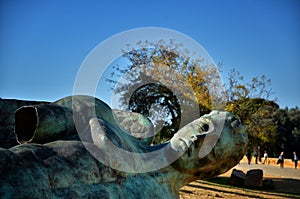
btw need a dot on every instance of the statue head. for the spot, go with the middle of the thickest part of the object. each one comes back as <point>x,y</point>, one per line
<point>210,145</point>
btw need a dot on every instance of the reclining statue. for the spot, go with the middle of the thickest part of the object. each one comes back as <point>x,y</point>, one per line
<point>86,153</point>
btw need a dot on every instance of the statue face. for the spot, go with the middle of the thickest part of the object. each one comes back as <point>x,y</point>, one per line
<point>217,139</point>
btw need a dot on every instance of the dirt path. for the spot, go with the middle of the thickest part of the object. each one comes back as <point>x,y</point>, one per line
<point>286,184</point>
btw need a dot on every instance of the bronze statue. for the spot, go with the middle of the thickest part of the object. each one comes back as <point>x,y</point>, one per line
<point>89,155</point>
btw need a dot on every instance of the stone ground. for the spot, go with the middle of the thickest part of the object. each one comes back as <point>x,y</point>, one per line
<point>286,184</point>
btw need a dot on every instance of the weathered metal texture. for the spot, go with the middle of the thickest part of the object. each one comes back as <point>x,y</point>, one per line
<point>136,125</point>
<point>7,119</point>
<point>66,169</point>
<point>42,122</point>
<point>86,107</point>
<point>54,121</point>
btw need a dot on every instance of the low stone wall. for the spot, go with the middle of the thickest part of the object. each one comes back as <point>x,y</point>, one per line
<point>287,162</point>
<point>271,161</point>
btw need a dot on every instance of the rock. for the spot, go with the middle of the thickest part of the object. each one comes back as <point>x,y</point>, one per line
<point>254,178</point>
<point>237,178</point>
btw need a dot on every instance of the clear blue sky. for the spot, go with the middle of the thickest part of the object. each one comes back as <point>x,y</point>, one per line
<point>43,43</point>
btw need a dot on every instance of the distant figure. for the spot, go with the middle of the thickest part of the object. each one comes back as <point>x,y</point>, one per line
<point>281,159</point>
<point>265,157</point>
<point>295,159</point>
<point>257,155</point>
<point>249,157</point>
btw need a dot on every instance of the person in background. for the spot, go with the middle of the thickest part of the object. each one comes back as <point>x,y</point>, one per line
<point>265,157</point>
<point>295,159</point>
<point>257,155</point>
<point>249,157</point>
<point>281,160</point>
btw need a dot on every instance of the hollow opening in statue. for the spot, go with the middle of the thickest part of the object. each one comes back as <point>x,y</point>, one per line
<point>26,121</point>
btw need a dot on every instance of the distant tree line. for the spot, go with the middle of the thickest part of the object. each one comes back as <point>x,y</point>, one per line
<point>270,128</point>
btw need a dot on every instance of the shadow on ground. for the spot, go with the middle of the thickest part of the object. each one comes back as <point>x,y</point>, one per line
<point>280,185</point>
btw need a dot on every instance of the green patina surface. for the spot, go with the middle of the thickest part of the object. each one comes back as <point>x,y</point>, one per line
<point>66,169</point>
